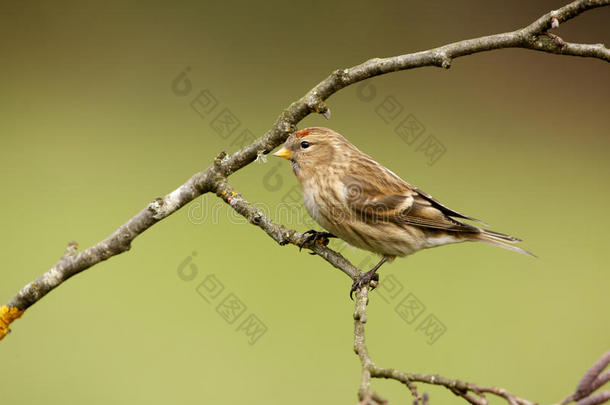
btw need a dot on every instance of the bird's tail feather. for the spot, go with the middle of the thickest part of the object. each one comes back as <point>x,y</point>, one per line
<point>500,239</point>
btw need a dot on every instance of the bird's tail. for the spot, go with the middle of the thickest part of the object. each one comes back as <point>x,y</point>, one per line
<point>502,240</point>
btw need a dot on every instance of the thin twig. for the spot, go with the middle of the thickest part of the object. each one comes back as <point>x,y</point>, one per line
<point>471,392</point>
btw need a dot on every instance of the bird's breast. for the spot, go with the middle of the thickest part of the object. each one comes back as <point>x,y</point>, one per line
<point>309,199</point>
<point>322,203</point>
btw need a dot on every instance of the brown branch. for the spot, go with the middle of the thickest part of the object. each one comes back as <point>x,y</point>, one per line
<point>592,379</point>
<point>279,233</point>
<point>214,179</point>
<point>472,393</point>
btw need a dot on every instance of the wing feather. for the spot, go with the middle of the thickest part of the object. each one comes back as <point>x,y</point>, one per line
<point>383,197</point>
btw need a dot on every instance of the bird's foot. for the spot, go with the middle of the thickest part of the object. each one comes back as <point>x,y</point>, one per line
<point>364,280</point>
<point>315,236</point>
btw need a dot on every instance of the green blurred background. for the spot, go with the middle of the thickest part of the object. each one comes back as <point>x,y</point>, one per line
<point>91,131</point>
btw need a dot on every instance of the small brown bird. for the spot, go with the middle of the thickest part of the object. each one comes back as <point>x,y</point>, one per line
<point>368,206</point>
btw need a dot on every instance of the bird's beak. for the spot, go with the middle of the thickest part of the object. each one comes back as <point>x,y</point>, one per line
<point>283,153</point>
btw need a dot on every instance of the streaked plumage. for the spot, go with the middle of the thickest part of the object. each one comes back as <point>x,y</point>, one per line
<point>355,198</point>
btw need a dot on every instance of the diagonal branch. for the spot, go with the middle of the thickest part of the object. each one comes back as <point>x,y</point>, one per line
<point>535,36</point>
<point>281,234</point>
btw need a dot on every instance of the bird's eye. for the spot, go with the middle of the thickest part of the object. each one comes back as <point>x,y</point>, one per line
<point>305,144</point>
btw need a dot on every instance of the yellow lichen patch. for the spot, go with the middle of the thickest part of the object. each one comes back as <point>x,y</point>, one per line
<point>8,315</point>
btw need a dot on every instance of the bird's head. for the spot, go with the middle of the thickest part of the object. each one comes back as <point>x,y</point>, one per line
<point>312,149</point>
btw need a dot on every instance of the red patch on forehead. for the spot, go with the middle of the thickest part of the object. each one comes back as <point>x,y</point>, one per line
<point>301,133</point>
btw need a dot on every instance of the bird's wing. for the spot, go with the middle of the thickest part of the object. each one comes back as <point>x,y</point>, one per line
<point>381,196</point>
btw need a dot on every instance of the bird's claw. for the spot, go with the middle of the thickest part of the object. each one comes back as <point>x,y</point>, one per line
<point>364,280</point>
<point>315,236</point>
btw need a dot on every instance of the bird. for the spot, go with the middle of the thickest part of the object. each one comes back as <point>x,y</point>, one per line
<point>367,205</point>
